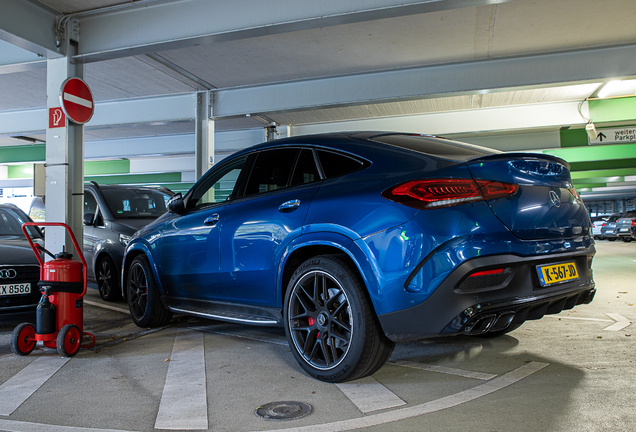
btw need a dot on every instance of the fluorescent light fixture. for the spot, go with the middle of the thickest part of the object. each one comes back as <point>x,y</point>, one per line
<point>618,88</point>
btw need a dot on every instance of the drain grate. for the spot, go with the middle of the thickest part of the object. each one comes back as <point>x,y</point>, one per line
<point>281,411</point>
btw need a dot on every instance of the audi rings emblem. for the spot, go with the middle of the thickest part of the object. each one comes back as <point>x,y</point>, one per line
<point>8,273</point>
<point>554,199</point>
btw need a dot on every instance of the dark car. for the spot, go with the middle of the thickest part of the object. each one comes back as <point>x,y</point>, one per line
<point>609,230</point>
<point>626,226</point>
<point>19,268</point>
<point>112,213</point>
<point>355,241</point>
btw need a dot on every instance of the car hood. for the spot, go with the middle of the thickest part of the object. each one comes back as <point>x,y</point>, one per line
<point>130,226</point>
<point>16,250</point>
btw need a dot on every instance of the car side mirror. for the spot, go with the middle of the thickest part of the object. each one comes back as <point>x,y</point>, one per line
<point>175,204</point>
<point>88,218</point>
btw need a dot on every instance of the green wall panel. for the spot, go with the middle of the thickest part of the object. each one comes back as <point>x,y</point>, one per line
<point>573,137</point>
<point>118,166</point>
<point>612,110</point>
<point>598,165</point>
<point>136,178</point>
<point>23,153</point>
<point>595,152</point>
<point>20,171</point>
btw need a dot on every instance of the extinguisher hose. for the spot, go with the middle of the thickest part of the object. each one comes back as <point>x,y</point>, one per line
<point>40,247</point>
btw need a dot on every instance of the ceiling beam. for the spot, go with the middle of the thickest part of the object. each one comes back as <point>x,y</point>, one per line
<point>483,76</point>
<point>146,27</point>
<point>30,26</point>
<point>118,112</point>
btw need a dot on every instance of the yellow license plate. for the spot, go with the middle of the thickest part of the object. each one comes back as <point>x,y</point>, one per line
<point>557,273</point>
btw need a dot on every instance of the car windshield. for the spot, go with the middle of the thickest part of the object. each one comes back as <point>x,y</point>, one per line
<point>11,224</point>
<point>136,203</point>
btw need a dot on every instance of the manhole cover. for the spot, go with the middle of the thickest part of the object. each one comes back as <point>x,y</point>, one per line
<point>283,410</point>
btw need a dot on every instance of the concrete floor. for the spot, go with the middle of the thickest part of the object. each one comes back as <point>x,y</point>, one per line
<point>568,372</point>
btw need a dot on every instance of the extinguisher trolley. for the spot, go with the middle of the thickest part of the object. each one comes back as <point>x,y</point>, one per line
<point>60,313</point>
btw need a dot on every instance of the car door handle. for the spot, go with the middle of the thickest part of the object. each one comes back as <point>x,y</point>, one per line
<point>289,206</point>
<point>211,220</point>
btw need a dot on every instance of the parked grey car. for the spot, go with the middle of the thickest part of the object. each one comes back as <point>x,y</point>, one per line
<point>112,214</point>
<point>609,230</point>
<point>626,226</point>
<point>597,225</point>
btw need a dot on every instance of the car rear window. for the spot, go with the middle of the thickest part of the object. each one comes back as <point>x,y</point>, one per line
<point>440,147</point>
<point>630,214</point>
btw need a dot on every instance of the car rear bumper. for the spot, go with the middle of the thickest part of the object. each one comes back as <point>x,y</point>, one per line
<point>492,303</point>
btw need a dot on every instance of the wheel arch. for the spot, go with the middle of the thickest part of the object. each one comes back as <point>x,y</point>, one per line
<point>336,245</point>
<point>132,251</point>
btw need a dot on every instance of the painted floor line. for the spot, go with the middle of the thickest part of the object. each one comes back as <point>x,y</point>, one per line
<point>184,402</point>
<point>444,370</point>
<point>576,318</point>
<point>17,389</point>
<point>19,426</point>
<point>369,395</point>
<point>620,324</point>
<point>254,338</point>
<point>428,407</point>
<point>103,306</point>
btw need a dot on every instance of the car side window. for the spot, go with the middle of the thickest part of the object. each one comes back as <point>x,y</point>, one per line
<point>91,207</point>
<point>218,186</point>
<point>90,203</point>
<point>335,165</point>
<point>271,171</point>
<point>305,170</point>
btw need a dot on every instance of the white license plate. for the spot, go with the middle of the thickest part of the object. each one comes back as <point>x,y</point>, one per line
<point>624,229</point>
<point>15,289</point>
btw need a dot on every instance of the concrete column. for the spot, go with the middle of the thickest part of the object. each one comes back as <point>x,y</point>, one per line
<point>64,150</point>
<point>204,135</point>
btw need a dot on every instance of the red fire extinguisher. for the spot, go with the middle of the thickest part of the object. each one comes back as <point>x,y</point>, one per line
<point>60,313</point>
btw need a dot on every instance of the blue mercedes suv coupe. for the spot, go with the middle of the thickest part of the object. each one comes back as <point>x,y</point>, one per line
<point>355,241</point>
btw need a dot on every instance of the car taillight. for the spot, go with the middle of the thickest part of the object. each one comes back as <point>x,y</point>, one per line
<point>634,222</point>
<point>575,194</point>
<point>429,194</point>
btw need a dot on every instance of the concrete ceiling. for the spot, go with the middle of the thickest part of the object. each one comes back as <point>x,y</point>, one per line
<point>387,39</point>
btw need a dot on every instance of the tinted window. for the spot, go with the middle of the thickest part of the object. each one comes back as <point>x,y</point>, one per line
<point>271,171</point>
<point>334,164</point>
<point>218,186</point>
<point>630,214</point>
<point>305,170</point>
<point>90,204</point>
<point>135,203</point>
<point>444,148</point>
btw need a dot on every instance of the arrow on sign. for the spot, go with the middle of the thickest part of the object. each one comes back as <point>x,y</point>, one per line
<point>621,322</point>
<point>601,136</point>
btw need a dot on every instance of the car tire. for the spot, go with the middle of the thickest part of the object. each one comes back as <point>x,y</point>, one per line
<point>611,238</point>
<point>107,279</point>
<point>143,297</point>
<point>626,239</point>
<point>330,323</point>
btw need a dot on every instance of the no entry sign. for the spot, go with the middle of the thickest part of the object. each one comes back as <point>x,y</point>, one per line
<point>77,100</point>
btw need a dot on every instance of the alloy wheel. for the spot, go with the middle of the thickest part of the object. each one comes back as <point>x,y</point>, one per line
<point>320,320</point>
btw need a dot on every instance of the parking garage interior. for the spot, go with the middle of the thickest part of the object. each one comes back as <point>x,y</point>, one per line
<point>177,86</point>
